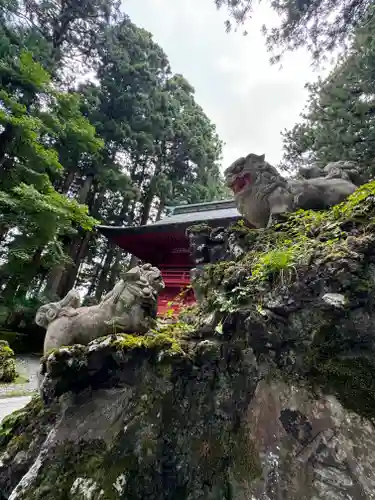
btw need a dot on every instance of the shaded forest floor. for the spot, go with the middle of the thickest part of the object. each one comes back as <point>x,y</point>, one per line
<point>26,383</point>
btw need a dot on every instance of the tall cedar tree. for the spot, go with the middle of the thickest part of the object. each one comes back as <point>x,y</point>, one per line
<point>319,25</point>
<point>339,122</point>
<point>120,149</point>
<point>152,126</point>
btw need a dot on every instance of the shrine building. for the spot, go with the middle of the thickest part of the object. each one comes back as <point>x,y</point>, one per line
<point>165,245</point>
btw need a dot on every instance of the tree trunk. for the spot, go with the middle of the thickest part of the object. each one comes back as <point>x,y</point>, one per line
<point>147,204</point>
<point>70,272</point>
<point>10,290</point>
<point>62,279</point>
<point>72,275</point>
<point>85,189</point>
<point>102,285</point>
<point>160,210</point>
<point>68,181</point>
<point>115,268</point>
<point>94,280</point>
<point>54,280</point>
<point>34,268</point>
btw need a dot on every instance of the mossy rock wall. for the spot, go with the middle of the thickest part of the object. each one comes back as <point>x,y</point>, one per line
<point>270,394</point>
<point>152,423</point>
<point>303,294</point>
<point>210,427</point>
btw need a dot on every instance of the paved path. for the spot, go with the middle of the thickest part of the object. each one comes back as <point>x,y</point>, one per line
<point>9,405</point>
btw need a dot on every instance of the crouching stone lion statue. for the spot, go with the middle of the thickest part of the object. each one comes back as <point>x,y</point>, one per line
<point>130,307</point>
<point>341,169</point>
<point>261,192</point>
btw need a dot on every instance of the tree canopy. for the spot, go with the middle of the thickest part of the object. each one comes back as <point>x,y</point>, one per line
<point>321,26</point>
<point>339,120</point>
<point>115,148</point>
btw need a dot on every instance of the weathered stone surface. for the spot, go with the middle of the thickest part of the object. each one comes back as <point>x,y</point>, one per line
<point>210,246</point>
<point>310,446</point>
<point>167,426</point>
<point>268,395</point>
<point>7,363</point>
<point>348,170</point>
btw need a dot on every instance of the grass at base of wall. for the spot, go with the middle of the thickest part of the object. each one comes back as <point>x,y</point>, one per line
<point>20,380</point>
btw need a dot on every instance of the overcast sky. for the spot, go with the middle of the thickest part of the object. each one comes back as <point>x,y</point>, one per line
<point>249,100</point>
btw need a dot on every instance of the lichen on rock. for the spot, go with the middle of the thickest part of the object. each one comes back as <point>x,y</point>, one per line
<point>263,390</point>
<point>161,412</point>
<point>283,285</point>
<point>8,372</point>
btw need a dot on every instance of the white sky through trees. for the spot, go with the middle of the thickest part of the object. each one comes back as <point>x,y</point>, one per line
<point>249,100</point>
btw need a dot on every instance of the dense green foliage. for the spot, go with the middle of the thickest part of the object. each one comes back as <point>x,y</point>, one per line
<point>7,363</point>
<point>116,146</point>
<point>321,26</point>
<point>339,122</point>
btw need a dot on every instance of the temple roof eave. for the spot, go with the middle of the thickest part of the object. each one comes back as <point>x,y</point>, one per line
<point>110,231</point>
<point>176,223</point>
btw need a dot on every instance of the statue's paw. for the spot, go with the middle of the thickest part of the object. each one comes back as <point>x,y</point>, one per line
<point>117,322</point>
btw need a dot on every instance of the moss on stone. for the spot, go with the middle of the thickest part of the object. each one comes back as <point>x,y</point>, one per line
<point>165,338</point>
<point>173,445</point>
<point>68,462</point>
<point>184,429</point>
<point>327,249</point>
<point>348,375</point>
<point>199,228</point>
<point>276,254</point>
<point>246,462</point>
<point>19,428</point>
<point>351,380</point>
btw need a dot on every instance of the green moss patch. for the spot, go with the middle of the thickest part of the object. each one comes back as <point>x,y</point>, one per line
<point>343,368</point>
<point>181,433</point>
<point>277,256</point>
<point>8,371</point>
<point>295,263</point>
<point>18,429</point>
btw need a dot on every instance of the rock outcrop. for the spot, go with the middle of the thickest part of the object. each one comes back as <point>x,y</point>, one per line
<point>274,399</point>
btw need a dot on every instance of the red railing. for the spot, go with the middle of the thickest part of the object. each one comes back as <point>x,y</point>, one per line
<point>176,277</point>
<point>176,280</point>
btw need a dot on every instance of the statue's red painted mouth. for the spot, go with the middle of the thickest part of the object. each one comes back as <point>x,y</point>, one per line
<point>240,183</point>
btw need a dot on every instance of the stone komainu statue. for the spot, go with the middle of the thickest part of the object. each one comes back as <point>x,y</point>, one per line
<point>261,192</point>
<point>342,169</point>
<point>130,307</point>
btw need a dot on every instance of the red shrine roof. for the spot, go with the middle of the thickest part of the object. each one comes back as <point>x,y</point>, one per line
<point>163,241</point>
